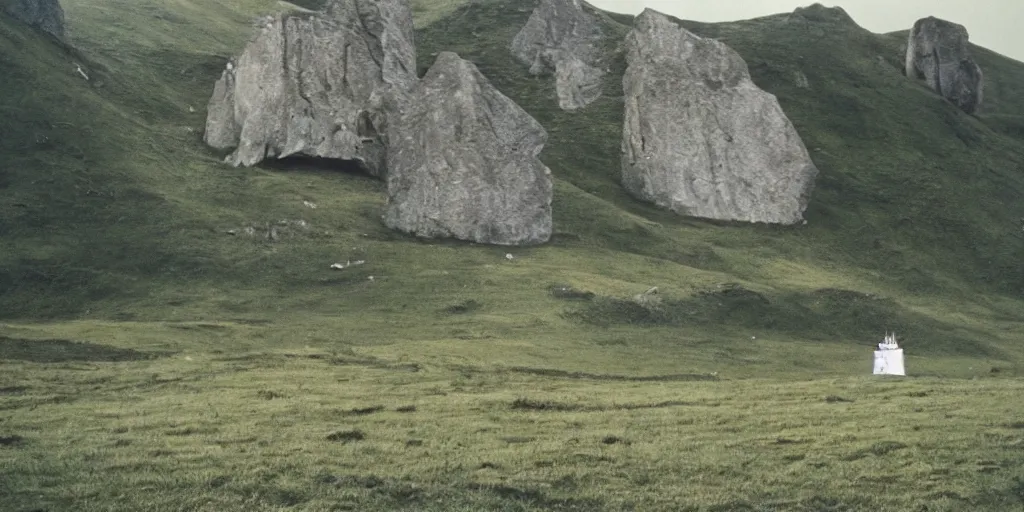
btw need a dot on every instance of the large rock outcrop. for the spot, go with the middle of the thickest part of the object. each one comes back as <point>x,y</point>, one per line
<point>45,15</point>
<point>463,163</point>
<point>562,38</point>
<point>313,85</point>
<point>700,138</point>
<point>937,52</point>
<point>817,13</point>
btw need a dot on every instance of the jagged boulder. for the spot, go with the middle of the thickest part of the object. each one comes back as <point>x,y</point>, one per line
<point>45,15</point>
<point>314,85</point>
<point>463,162</point>
<point>937,52</point>
<point>562,38</point>
<point>577,83</point>
<point>700,138</point>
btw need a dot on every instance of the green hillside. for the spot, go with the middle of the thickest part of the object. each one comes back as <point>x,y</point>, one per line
<point>185,286</point>
<point>113,208</point>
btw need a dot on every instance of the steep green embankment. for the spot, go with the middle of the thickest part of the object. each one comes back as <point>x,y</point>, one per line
<point>112,208</point>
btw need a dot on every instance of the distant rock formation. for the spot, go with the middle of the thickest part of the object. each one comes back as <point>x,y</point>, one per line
<point>937,53</point>
<point>821,14</point>
<point>463,163</point>
<point>561,38</point>
<point>45,15</point>
<point>313,85</point>
<point>700,138</point>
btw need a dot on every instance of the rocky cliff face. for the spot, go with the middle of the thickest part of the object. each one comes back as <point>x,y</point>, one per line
<point>46,15</point>
<point>700,138</point>
<point>937,52</point>
<point>561,37</point>
<point>463,163</point>
<point>313,85</point>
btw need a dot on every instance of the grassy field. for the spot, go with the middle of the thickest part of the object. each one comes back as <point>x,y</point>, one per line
<point>308,429</point>
<point>172,338</point>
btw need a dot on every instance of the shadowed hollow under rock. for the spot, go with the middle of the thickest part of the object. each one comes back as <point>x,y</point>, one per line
<point>462,162</point>
<point>937,52</point>
<point>314,85</point>
<point>700,138</point>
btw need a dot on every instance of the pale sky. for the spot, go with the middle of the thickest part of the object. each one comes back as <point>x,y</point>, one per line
<point>995,24</point>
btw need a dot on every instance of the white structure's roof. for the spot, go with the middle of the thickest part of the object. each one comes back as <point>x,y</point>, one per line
<point>889,343</point>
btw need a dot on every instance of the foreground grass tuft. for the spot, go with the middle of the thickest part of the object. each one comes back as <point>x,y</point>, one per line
<point>347,436</point>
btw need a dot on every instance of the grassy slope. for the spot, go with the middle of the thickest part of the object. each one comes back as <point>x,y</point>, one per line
<point>131,220</point>
<point>133,226</point>
<point>201,431</point>
<point>113,221</point>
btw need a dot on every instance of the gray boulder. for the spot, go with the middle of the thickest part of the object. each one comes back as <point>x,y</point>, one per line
<point>562,38</point>
<point>314,85</point>
<point>577,83</point>
<point>700,138</point>
<point>462,162</point>
<point>45,15</point>
<point>937,52</point>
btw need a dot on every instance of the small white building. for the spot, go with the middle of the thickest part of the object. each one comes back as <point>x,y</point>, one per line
<point>889,357</point>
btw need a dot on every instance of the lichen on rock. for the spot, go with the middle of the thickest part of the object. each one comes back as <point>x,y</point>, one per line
<point>563,38</point>
<point>314,85</point>
<point>937,52</point>
<point>463,162</point>
<point>700,138</point>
